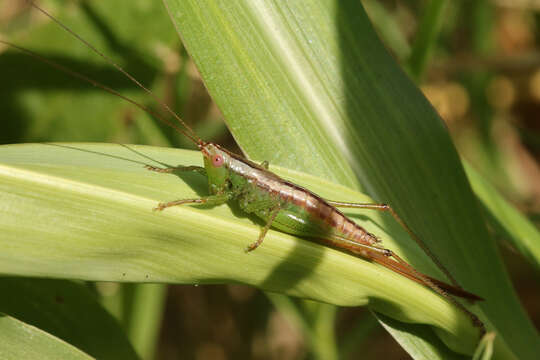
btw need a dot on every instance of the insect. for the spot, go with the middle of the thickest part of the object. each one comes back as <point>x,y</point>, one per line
<point>281,204</point>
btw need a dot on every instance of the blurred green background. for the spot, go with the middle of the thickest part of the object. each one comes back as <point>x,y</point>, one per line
<point>481,72</point>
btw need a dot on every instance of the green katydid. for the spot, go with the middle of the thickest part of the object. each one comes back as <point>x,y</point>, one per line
<point>279,203</point>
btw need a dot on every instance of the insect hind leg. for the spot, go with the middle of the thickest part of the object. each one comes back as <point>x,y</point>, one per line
<point>383,257</point>
<point>399,220</point>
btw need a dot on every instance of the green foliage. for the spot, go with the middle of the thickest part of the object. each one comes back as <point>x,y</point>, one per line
<point>23,341</point>
<point>63,309</point>
<point>307,86</point>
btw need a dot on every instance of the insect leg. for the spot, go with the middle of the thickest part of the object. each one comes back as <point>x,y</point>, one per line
<point>198,169</point>
<point>217,199</point>
<point>388,208</point>
<point>406,269</point>
<point>264,230</point>
<point>265,164</point>
<point>392,261</point>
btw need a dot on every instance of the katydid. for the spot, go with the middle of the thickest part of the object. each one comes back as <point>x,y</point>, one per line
<point>281,204</point>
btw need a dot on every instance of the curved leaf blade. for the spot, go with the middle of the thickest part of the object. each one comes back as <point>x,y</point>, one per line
<point>381,124</point>
<point>264,78</point>
<point>522,234</point>
<point>22,341</point>
<point>84,211</point>
<point>67,311</point>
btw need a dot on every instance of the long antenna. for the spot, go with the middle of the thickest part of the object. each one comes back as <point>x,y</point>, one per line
<point>101,86</point>
<point>192,136</point>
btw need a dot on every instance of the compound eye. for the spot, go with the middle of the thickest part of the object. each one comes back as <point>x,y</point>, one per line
<point>217,160</point>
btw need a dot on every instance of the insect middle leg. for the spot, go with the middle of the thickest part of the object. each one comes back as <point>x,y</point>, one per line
<point>388,208</point>
<point>264,230</point>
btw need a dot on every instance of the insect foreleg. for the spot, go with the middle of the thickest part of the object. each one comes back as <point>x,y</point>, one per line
<point>388,208</point>
<point>198,169</point>
<point>213,200</point>
<point>264,230</point>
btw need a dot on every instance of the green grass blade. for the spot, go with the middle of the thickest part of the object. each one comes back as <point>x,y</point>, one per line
<point>318,332</point>
<point>148,307</point>
<point>139,308</point>
<point>426,37</point>
<point>25,342</point>
<point>485,348</point>
<point>268,80</point>
<point>83,211</point>
<point>506,219</point>
<point>285,74</point>
<point>63,309</point>
<point>424,343</point>
<point>325,332</point>
<point>388,28</point>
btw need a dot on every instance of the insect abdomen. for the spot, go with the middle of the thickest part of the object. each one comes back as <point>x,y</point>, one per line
<point>302,212</point>
<point>314,217</point>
